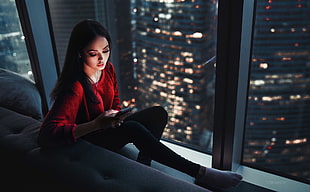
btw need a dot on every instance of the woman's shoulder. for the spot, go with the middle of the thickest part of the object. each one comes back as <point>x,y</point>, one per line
<point>109,67</point>
<point>72,92</point>
<point>109,70</point>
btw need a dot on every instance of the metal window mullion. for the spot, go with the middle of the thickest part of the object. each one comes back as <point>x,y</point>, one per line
<point>227,78</point>
<point>35,26</point>
<point>243,80</point>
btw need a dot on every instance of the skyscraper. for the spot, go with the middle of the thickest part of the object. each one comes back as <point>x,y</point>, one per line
<point>13,52</point>
<point>174,45</point>
<point>277,126</point>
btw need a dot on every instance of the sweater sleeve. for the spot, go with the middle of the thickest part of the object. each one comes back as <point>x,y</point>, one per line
<point>60,122</point>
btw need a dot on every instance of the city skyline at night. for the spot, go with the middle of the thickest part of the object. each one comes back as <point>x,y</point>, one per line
<point>277,126</point>
<point>13,52</point>
<point>174,63</point>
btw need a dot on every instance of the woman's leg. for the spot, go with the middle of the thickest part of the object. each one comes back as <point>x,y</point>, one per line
<point>134,132</point>
<point>113,139</point>
<point>155,120</point>
<point>145,141</point>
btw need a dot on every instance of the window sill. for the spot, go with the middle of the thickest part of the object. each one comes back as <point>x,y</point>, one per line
<point>253,180</point>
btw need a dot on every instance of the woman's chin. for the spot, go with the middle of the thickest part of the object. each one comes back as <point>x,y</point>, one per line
<point>101,66</point>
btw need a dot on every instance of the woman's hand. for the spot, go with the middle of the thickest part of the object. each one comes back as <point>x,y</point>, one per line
<point>108,119</point>
<point>105,120</point>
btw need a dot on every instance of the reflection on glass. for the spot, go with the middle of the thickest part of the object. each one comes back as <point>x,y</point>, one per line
<point>13,52</point>
<point>278,116</point>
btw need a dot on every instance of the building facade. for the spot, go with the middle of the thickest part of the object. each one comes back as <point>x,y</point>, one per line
<point>13,52</point>
<point>278,115</point>
<point>174,45</point>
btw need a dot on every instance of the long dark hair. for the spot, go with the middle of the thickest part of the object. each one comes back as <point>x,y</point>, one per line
<point>83,33</point>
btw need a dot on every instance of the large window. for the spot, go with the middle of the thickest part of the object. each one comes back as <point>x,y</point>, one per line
<point>277,131</point>
<point>13,52</point>
<point>164,52</point>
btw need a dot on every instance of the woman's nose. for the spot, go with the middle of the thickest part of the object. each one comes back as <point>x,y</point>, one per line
<point>100,56</point>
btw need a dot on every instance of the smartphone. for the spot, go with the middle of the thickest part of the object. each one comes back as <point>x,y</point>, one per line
<point>124,111</point>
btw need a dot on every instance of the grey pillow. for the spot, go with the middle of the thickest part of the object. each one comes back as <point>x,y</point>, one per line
<point>19,94</point>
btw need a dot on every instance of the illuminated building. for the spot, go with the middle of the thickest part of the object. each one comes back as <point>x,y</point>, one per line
<point>174,44</point>
<point>277,134</point>
<point>13,52</point>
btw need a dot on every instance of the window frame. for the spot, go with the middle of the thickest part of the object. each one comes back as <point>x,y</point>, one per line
<point>226,84</point>
<point>35,25</point>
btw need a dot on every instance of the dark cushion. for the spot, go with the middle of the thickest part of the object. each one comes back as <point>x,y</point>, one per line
<point>91,168</point>
<point>79,167</point>
<point>19,94</point>
<point>18,133</point>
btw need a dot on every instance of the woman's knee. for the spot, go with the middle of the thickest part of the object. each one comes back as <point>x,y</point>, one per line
<point>132,126</point>
<point>153,118</point>
<point>161,113</point>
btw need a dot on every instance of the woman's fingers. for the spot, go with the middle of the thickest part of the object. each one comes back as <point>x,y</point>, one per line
<point>118,122</point>
<point>108,118</point>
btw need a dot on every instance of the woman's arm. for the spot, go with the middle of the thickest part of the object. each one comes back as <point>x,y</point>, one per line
<point>104,121</point>
<point>59,125</point>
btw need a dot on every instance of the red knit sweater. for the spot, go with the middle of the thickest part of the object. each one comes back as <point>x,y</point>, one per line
<point>72,109</point>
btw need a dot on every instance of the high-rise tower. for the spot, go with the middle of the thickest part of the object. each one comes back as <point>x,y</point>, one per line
<point>174,45</point>
<point>278,116</point>
<point>13,52</point>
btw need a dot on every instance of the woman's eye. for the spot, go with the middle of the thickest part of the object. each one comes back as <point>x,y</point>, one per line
<point>92,54</point>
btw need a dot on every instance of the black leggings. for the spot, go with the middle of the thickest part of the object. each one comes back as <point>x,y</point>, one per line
<point>144,129</point>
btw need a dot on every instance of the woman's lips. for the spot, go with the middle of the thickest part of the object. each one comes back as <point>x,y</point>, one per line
<point>100,65</point>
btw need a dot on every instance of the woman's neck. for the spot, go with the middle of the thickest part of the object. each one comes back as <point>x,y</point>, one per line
<point>94,76</point>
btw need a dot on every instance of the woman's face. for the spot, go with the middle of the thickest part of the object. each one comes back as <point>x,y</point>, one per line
<point>96,54</point>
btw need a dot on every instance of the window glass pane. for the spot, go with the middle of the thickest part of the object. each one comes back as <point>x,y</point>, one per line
<point>65,14</point>
<point>174,46</point>
<point>278,117</point>
<point>13,52</point>
<point>165,56</point>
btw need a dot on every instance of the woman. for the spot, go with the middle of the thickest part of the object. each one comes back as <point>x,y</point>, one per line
<point>86,99</point>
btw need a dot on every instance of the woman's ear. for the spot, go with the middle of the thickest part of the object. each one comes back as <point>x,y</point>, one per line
<point>80,54</point>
